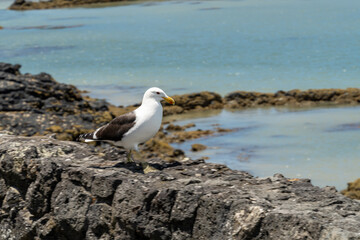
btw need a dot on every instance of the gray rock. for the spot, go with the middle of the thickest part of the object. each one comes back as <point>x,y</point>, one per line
<point>52,189</point>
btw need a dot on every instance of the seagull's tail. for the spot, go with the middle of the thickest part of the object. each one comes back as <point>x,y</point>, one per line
<point>87,137</point>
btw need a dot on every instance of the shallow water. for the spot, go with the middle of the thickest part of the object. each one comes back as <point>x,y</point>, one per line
<point>187,46</point>
<point>321,143</point>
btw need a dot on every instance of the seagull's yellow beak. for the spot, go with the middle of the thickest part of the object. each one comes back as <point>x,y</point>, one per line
<point>169,100</point>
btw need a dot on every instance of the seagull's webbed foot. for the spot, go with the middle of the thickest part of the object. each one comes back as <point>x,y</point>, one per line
<point>147,168</point>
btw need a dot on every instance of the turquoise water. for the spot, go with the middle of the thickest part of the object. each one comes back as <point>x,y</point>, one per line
<point>187,46</point>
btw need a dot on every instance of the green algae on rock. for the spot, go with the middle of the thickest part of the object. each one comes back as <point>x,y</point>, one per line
<point>196,147</point>
<point>353,190</point>
<point>311,97</point>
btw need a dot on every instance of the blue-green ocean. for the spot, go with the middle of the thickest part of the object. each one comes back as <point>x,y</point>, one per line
<point>118,52</point>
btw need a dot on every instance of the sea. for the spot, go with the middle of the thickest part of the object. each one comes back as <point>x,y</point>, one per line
<point>115,52</point>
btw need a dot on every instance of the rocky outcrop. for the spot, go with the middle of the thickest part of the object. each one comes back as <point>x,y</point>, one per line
<point>312,97</point>
<point>38,105</point>
<point>29,5</point>
<point>51,189</point>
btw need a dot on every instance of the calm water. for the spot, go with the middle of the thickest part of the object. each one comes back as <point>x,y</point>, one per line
<point>321,144</point>
<point>222,46</point>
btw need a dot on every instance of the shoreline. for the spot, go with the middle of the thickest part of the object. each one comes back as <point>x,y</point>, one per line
<point>36,112</point>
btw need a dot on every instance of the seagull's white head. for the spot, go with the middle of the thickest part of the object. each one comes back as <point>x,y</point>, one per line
<point>157,94</point>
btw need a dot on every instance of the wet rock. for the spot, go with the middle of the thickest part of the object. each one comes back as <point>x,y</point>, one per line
<point>182,136</point>
<point>51,189</point>
<point>353,190</point>
<point>196,147</point>
<point>29,5</point>
<point>189,125</point>
<point>159,146</point>
<point>194,101</point>
<point>311,97</point>
<point>172,127</point>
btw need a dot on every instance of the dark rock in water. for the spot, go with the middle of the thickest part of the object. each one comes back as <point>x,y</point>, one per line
<point>173,127</point>
<point>196,147</point>
<point>29,5</point>
<point>311,97</point>
<point>52,189</point>
<point>345,127</point>
<point>194,101</point>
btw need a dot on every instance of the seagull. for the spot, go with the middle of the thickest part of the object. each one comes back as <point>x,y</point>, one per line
<point>132,128</point>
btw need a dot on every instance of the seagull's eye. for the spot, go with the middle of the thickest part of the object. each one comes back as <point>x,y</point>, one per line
<point>157,93</point>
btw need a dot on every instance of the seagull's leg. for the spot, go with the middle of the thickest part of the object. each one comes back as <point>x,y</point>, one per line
<point>146,166</point>
<point>129,157</point>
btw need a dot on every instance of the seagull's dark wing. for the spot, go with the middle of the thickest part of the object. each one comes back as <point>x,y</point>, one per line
<point>114,130</point>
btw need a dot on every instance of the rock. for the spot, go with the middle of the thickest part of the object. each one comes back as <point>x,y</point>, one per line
<point>38,105</point>
<point>353,190</point>
<point>311,97</point>
<point>159,146</point>
<point>29,5</point>
<point>194,101</point>
<point>172,127</point>
<point>196,147</point>
<point>189,125</point>
<point>51,189</point>
<point>182,136</point>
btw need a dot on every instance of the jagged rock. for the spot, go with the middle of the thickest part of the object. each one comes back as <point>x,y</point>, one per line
<point>38,105</point>
<point>51,189</point>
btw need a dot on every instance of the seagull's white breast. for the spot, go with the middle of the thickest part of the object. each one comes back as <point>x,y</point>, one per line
<point>147,124</point>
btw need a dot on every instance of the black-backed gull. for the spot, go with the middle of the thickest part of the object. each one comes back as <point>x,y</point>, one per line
<point>131,129</point>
